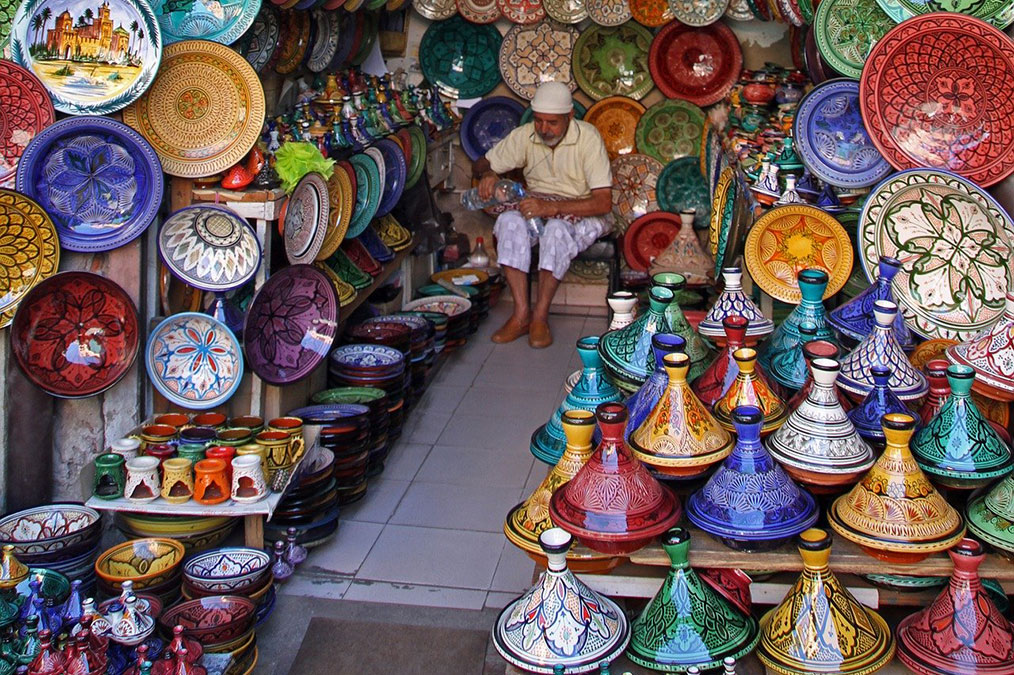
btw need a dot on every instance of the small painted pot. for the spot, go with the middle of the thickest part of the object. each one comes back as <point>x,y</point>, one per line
<point>204,435</point>
<point>209,419</point>
<point>210,484</point>
<point>177,420</point>
<point>254,449</point>
<point>224,453</point>
<point>276,446</point>
<point>154,434</point>
<point>110,476</point>
<point>233,436</point>
<point>161,450</point>
<point>177,480</point>
<point>142,484</point>
<point>248,479</point>
<point>126,447</point>
<point>252,422</point>
<point>288,425</point>
<point>192,451</point>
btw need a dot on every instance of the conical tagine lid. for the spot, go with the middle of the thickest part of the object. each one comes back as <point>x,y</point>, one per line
<point>715,381</point>
<point>819,627</point>
<point>991,516</point>
<point>697,349</point>
<point>643,401</point>
<point>868,416</point>
<point>991,354</point>
<point>854,319</point>
<point>687,623</point>
<point>880,348</point>
<point>560,621</point>
<point>626,353</point>
<point>734,302</point>
<point>685,255</point>
<point>750,390</point>
<point>12,570</point>
<point>818,349</point>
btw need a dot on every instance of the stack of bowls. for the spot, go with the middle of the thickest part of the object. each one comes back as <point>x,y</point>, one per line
<point>241,571</point>
<point>195,533</point>
<point>420,355</point>
<point>314,527</point>
<point>344,430</point>
<point>439,321</point>
<point>467,277</point>
<point>222,624</point>
<point>391,334</point>
<point>458,311</point>
<point>376,401</point>
<point>379,366</point>
<point>60,537</point>
<point>154,565</point>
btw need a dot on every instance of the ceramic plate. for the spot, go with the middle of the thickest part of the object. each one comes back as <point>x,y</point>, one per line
<point>700,12</point>
<point>378,158</point>
<point>8,8</point>
<point>651,13</point>
<point>75,334</point>
<point>895,10</point>
<point>616,118</point>
<point>341,202</point>
<point>460,58</point>
<point>209,247</point>
<point>326,42</point>
<point>831,139</point>
<point>216,20</point>
<point>295,41</point>
<point>29,249</point>
<point>788,239</point>
<point>395,172</point>
<point>258,44</point>
<point>306,219</point>
<point>367,356</point>
<point>566,11</point>
<point>670,129</point>
<point>479,11</point>
<point>347,26</point>
<point>27,110</point>
<point>524,12</point>
<point>418,164</point>
<point>291,324</point>
<point>97,178</point>
<point>531,55</point>
<point>846,30</point>
<point>681,186</point>
<point>194,361</point>
<point>367,193</point>
<point>648,236</point>
<point>955,244</point>
<point>204,112</point>
<point>613,61</point>
<point>92,69</point>
<point>608,12</point>
<point>929,97</point>
<point>699,65</point>
<point>435,10</point>
<point>722,211</point>
<point>487,122</point>
<point>634,180</point>
<point>996,12</point>
<point>739,10</point>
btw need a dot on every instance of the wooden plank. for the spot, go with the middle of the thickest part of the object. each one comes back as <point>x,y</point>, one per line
<point>181,193</point>
<point>253,531</point>
<point>223,195</point>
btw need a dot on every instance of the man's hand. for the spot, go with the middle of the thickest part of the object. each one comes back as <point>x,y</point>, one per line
<point>533,207</point>
<point>486,184</point>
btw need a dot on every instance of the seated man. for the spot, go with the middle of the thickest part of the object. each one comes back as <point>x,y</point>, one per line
<point>569,183</point>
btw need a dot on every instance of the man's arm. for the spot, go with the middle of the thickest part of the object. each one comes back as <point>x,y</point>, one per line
<point>487,178</point>
<point>599,203</point>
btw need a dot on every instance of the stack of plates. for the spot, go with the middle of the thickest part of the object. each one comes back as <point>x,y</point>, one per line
<point>439,321</point>
<point>245,572</point>
<point>337,472</point>
<point>379,366</point>
<point>63,538</point>
<point>380,419</point>
<point>469,278</point>
<point>153,564</point>
<point>458,311</point>
<point>422,353</point>
<point>317,523</point>
<point>194,532</point>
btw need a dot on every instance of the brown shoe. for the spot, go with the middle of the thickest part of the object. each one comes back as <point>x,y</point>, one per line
<point>510,331</point>
<point>539,335</point>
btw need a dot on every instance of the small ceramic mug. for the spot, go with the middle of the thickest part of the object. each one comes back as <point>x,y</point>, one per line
<point>142,483</point>
<point>155,434</point>
<point>210,485</point>
<point>177,480</point>
<point>110,476</point>
<point>202,435</point>
<point>248,479</point>
<point>126,447</point>
<point>233,436</point>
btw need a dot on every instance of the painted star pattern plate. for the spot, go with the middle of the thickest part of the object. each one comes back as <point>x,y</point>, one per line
<point>531,55</point>
<point>194,360</point>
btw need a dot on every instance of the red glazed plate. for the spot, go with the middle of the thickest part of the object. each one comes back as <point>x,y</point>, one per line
<point>27,110</point>
<point>648,236</point>
<point>699,65</point>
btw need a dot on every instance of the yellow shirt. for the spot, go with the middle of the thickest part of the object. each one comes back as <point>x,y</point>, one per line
<point>576,166</point>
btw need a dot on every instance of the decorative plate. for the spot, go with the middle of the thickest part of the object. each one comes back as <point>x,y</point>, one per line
<point>258,44</point>
<point>306,219</point>
<point>341,200</point>
<point>395,172</point>
<point>670,129</point>
<point>846,31</point>
<point>954,242</point>
<point>699,12</point>
<point>367,193</point>
<point>326,43</point>
<point>929,97</point>
<point>531,55</point>
<point>377,156</point>
<point>29,249</point>
<point>488,122</point>
<point>8,9</point>
<point>831,139</point>
<point>435,10</point>
<point>479,11</point>
<point>291,324</point>
<point>634,180</point>
<point>996,12</point>
<point>895,10</point>
<point>371,29</point>
<point>681,186</point>
<point>26,110</point>
<point>788,239</point>
<point>347,27</point>
<point>213,20</point>
<point>194,360</point>
<point>699,65</point>
<point>648,236</point>
<point>616,118</point>
<point>204,112</point>
<point>722,211</point>
<point>566,11</point>
<point>99,181</point>
<point>451,305</point>
<point>611,61</point>
<point>92,69</point>
<point>739,10</point>
<point>367,356</point>
<point>523,12</point>
<point>608,12</point>
<point>460,58</point>
<point>209,247</point>
<point>415,169</point>
<point>651,13</point>
<point>75,334</point>
<point>579,112</point>
<point>294,42</point>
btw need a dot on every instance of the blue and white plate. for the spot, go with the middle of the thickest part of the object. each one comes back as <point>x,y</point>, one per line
<point>367,356</point>
<point>487,122</point>
<point>209,247</point>
<point>325,412</point>
<point>222,21</point>
<point>395,172</point>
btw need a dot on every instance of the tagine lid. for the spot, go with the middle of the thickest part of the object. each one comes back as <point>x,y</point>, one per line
<point>735,302</point>
<point>750,390</point>
<point>628,349</point>
<point>991,516</point>
<point>880,348</point>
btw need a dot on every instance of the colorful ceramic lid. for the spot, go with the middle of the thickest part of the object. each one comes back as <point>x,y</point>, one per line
<point>699,12</point>
<point>307,217</point>
<point>487,122</point>
<point>531,55</point>
<point>434,10</point>
<point>395,172</point>
<point>989,353</point>
<point>28,111</point>
<point>32,252</point>
<point>634,181</point>
<point>647,237</point>
<point>788,239</point>
<point>651,13</point>
<point>699,65</point>
<point>194,360</point>
<point>681,187</point>
<point>205,111</point>
<point>96,177</point>
<point>460,58</point>
<point>846,30</point>
<point>954,242</point>
<point>670,129</point>
<point>616,119</point>
<point>325,43</point>
<point>258,44</point>
<point>566,11</point>
<point>608,12</point>
<point>93,69</point>
<point>221,22</point>
<point>524,12</point>
<point>831,140</point>
<point>209,247</point>
<point>479,11</point>
<point>990,515</point>
<point>611,61</point>
<point>368,191</point>
<point>291,324</point>
<point>734,302</point>
<point>920,113</point>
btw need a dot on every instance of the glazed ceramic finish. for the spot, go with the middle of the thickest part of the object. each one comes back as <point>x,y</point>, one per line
<point>733,301</point>
<point>988,353</point>
<point>613,61</point>
<point>854,320</point>
<point>670,129</point>
<point>996,12</point>
<point>488,122</point>
<point>817,349</point>
<point>643,401</point>
<point>259,43</point>
<point>698,65</point>
<point>626,353</point>
<point>697,349</point>
<point>685,254</point>
<point>524,12</point>
<point>566,11</point>
<point>749,390</point>
<point>724,215</point>
<point>33,249</point>
<point>845,31</point>
<point>991,516</point>
<point>460,58</point>
<point>880,348</point>
<point>880,401</point>
<point>209,247</point>
<point>750,503</point>
<point>479,11</point>
<point>682,188</point>
<point>225,22</point>
<point>434,10</point>
<point>704,13</point>
<point>616,119</point>
<point>29,111</point>
<point>715,381</point>
<point>608,12</point>
<point>531,55</point>
<point>939,389</point>
<point>52,529</point>
<point>647,237</point>
<point>635,178</point>
<point>307,215</point>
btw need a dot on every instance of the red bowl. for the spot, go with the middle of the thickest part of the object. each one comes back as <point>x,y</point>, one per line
<point>211,620</point>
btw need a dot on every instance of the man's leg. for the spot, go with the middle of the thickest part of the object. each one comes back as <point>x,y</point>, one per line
<point>514,253</point>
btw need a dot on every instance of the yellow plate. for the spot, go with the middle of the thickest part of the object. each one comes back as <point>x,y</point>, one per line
<point>31,249</point>
<point>451,275</point>
<point>339,190</point>
<point>788,239</point>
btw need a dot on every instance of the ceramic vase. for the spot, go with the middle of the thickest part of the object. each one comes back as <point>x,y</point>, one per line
<point>684,255</point>
<point>819,627</point>
<point>894,513</point>
<point>128,448</point>
<point>991,516</point>
<point>626,353</point>
<point>642,402</point>
<point>880,348</point>
<point>818,445</point>
<point>750,390</point>
<point>592,389</point>
<point>623,305</point>
<point>853,321</point>
<point>697,350</point>
<point>990,353</point>
<point>177,480</point>
<point>687,623</point>
<point>818,349</point>
<point>961,631</point>
<point>143,484</point>
<point>733,301</point>
<point>529,519</point>
<point>680,438</point>
<point>867,416</point>
<point>782,356</point>
<point>248,484</point>
<point>939,389</point>
<point>110,476</point>
<point>210,484</point>
<point>715,381</point>
<point>560,625</point>
<point>750,503</point>
<point>614,505</point>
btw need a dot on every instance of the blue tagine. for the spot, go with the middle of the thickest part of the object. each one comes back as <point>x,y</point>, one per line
<point>641,403</point>
<point>854,320</point>
<point>783,357</point>
<point>880,348</point>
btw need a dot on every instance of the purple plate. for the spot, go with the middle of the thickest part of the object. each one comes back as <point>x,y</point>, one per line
<point>326,412</point>
<point>291,324</point>
<point>377,249</point>
<point>487,122</point>
<point>395,171</point>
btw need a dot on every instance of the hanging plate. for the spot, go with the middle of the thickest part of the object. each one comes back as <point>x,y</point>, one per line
<point>613,61</point>
<point>699,65</point>
<point>722,212</point>
<point>378,158</point>
<point>701,12</point>
<point>341,199</point>
<point>415,170</point>
<point>524,12</point>
<point>846,31</point>
<point>209,247</point>
<point>566,11</point>
<point>634,180</point>
<point>739,10</point>
<point>97,178</point>
<point>651,13</point>
<point>306,219</point>
<point>326,43</point>
<point>30,250</point>
<point>259,43</point>
<point>295,41</point>
<point>367,193</point>
<point>681,186</point>
<point>648,236</point>
<point>460,58</point>
<point>479,11</point>
<point>895,10</point>
<point>487,122</point>
<point>616,118</point>
<point>670,129</point>
<point>8,8</point>
<point>434,10</point>
<point>27,110</point>
<point>194,361</point>
<point>395,173</point>
<point>531,55</point>
<point>211,20</point>
<point>996,12</point>
<point>608,12</point>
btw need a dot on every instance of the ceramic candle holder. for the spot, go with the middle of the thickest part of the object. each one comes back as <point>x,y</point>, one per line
<point>192,451</point>
<point>224,453</point>
<point>248,479</point>
<point>177,480</point>
<point>142,479</point>
<point>210,484</point>
<point>110,476</point>
<point>126,447</point>
<point>258,450</point>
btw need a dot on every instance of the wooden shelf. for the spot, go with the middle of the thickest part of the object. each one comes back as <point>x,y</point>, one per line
<point>378,281</point>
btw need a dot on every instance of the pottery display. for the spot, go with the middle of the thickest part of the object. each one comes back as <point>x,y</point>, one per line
<point>684,254</point>
<point>868,415</point>
<point>733,301</point>
<point>211,485</point>
<point>880,348</point>
<point>854,320</point>
<point>750,390</point>
<point>719,376</point>
<point>626,353</point>
<point>991,516</point>
<point>988,353</point>
<point>643,401</point>
<point>143,483</point>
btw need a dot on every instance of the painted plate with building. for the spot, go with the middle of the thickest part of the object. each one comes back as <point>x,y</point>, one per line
<point>93,56</point>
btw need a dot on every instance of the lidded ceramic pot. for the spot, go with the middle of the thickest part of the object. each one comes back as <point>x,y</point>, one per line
<point>750,390</point>
<point>560,622</point>
<point>880,348</point>
<point>991,516</point>
<point>894,513</point>
<point>782,356</point>
<point>733,301</point>
<point>719,376</point>
<point>642,402</point>
<point>853,321</point>
<point>697,350</point>
<point>869,414</point>
<point>626,353</point>
<point>990,353</point>
<point>818,349</point>
<point>685,254</point>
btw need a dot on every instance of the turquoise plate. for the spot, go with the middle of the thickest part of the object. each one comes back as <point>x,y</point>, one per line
<point>367,193</point>
<point>461,58</point>
<point>681,186</point>
<point>222,21</point>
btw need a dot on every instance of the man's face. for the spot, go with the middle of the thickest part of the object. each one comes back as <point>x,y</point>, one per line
<point>552,128</point>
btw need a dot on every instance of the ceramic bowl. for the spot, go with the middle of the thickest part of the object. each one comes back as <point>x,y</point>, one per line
<point>213,620</point>
<point>227,570</point>
<point>54,585</point>
<point>147,603</point>
<point>255,592</point>
<point>451,305</point>
<point>53,531</point>
<point>174,526</point>
<point>149,563</point>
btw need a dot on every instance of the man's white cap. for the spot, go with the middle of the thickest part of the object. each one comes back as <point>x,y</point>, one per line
<point>552,98</point>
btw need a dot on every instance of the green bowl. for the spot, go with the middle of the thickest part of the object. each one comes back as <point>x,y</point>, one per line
<point>54,585</point>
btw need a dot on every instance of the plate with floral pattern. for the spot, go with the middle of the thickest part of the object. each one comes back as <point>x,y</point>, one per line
<point>194,360</point>
<point>27,111</point>
<point>566,11</point>
<point>368,192</point>
<point>479,11</point>
<point>608,12</point>
<point>996,12</point>
<point>531,55</point>
<point>460,58</point>
<point>613,61</point>
<point>524,12</point>
<point>260,41</point>
<point>670,129</point>
<point>209,247</point>
<point>699,12</point>
<point>616,118</point>
<point>634,179</point>
<point>846,31</point>
<point>651,13</point>
<point>222,21</point>
<point>487,122</point>
<point>955,243</point>
<point>30,249</point>
<point>307,216</point>
<point>648,236</point>
<point>698,65</point>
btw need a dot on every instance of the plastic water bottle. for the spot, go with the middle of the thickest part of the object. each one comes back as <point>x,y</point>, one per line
<point>505,191</point>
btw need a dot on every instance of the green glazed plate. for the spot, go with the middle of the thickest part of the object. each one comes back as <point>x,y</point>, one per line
<point>418,156</point>
<point>7,10</point>
<point>347,271</point>
<point>681,186</point>
<point>987,10</point>
<point>670,129</point>
<point>611,61</point>
<point>367,194</point>
<point>895,10</point>
<point>461,58</point>
<point>846,31</point>
<point>349,395</point>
